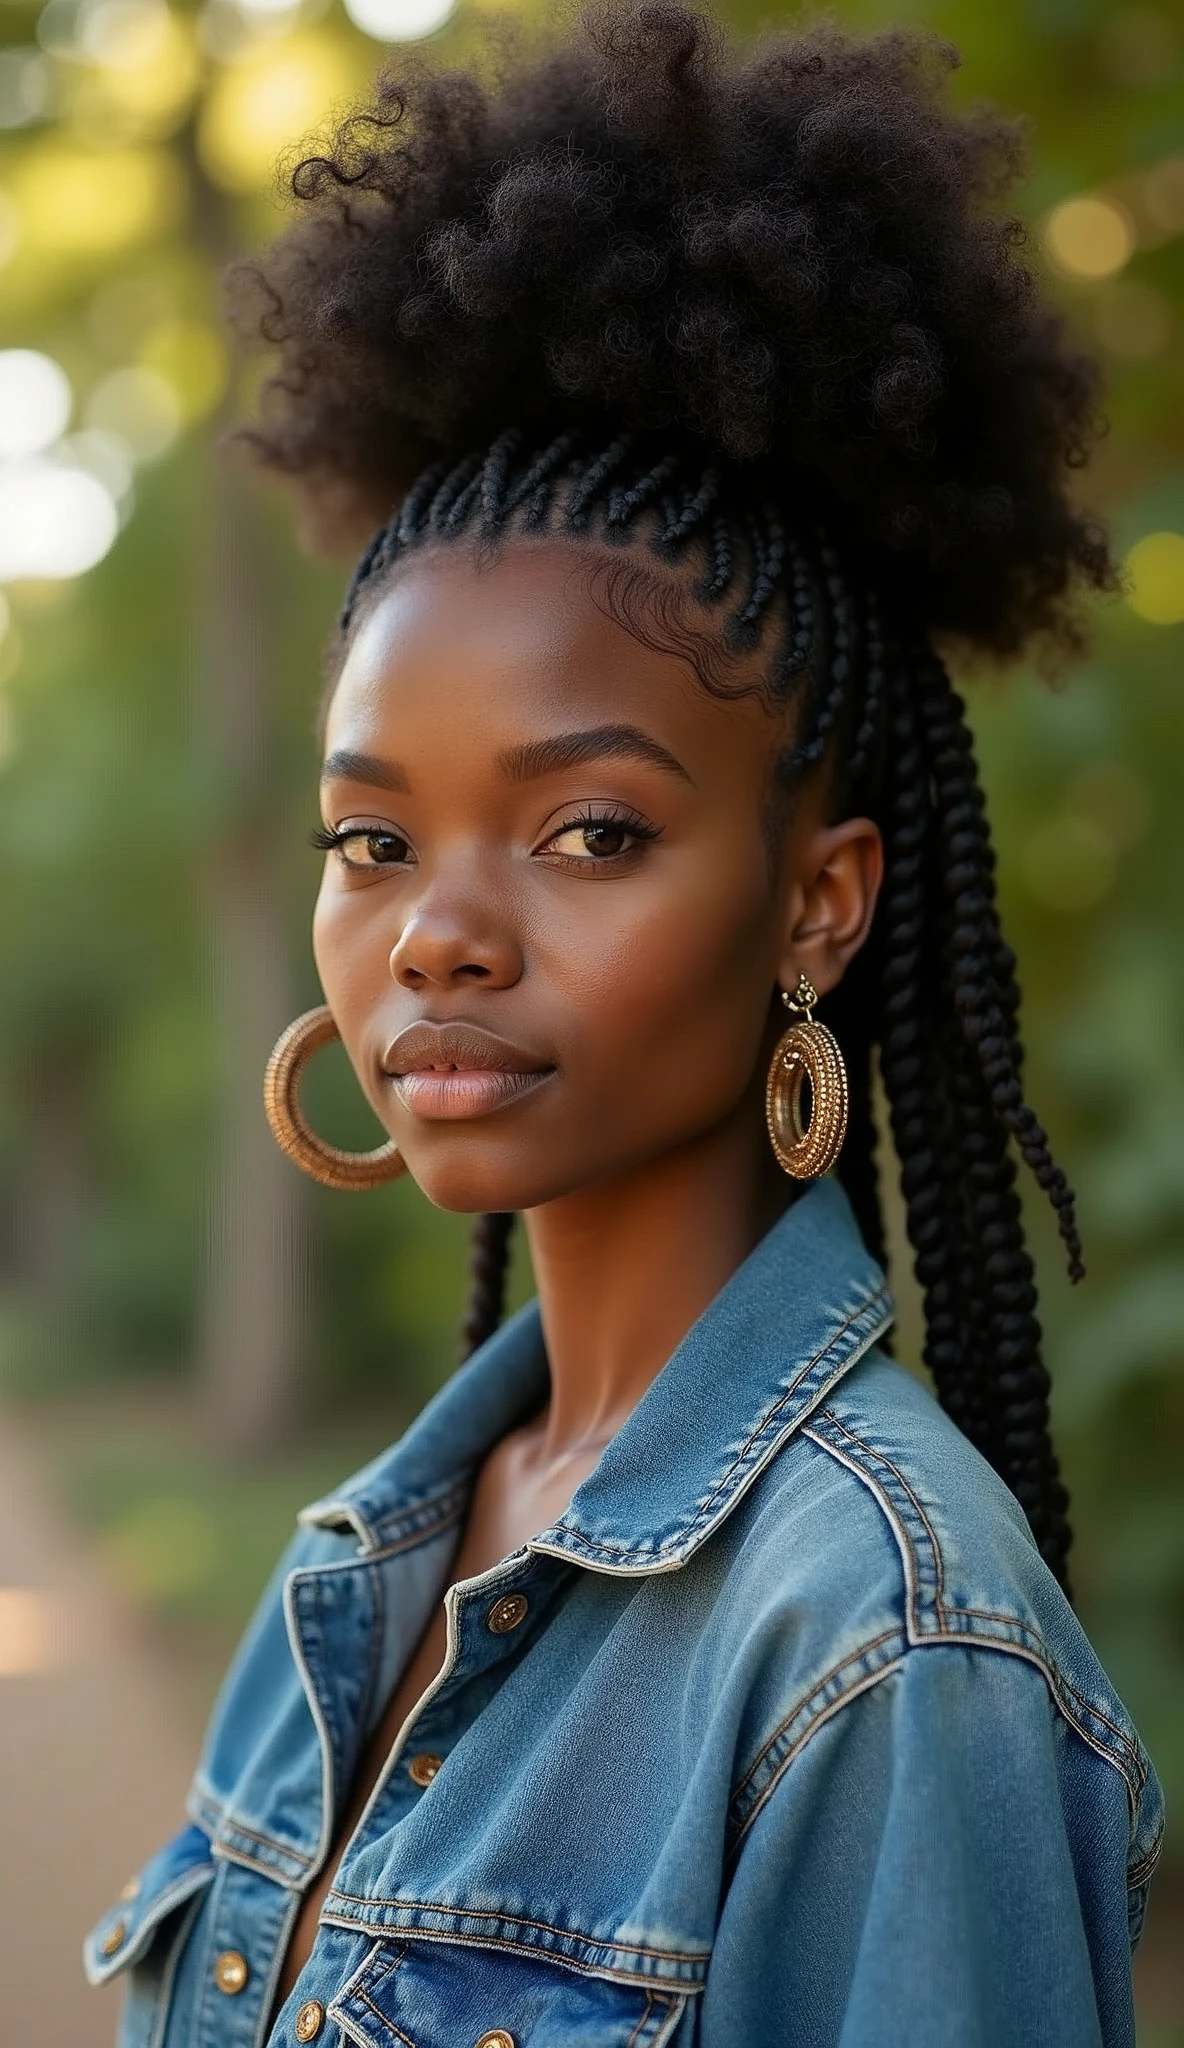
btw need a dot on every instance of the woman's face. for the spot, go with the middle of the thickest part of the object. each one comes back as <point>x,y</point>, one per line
<point>552,932</point>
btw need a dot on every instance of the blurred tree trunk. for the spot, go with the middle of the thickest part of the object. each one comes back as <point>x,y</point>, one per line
<point>254,1314</point>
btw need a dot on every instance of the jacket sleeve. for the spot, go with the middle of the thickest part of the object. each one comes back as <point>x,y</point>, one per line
<point>943,1863</point>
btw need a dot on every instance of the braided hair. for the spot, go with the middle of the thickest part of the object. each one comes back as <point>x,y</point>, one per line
<point>758,321</point>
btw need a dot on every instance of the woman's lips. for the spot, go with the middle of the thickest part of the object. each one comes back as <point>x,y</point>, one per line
<point>446,1072</point>
<point>446,1095</point>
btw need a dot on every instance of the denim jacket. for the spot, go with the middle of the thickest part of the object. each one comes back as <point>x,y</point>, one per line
<point>782,1736</point>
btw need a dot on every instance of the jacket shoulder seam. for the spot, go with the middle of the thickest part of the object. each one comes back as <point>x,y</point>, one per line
<point>951,1622</point>
<point>853,1677</point>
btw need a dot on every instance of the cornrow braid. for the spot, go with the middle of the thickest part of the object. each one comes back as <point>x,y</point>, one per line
<point>932,1001</point>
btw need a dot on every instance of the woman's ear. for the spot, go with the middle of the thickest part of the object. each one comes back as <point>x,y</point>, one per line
<point>838,870</point>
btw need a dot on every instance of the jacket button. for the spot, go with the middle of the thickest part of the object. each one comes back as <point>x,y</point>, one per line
<point>231,1972</point>
<point>309,2020</point>
<point>422,1769</point>
<point>497,2039</point>
<point>504,1615</point>
<point>113,1938</point>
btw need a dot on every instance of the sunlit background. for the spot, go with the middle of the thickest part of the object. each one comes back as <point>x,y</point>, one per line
<point>192,1341</point>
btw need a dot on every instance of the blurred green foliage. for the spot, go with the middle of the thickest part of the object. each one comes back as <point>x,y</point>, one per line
<point>122,800</point>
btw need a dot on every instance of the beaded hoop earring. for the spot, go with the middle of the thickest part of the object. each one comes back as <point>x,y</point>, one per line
<point>329,1164</point>
<point>807,1051</point>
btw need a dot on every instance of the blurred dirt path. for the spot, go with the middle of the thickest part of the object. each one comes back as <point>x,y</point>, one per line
<point>95,1759</point>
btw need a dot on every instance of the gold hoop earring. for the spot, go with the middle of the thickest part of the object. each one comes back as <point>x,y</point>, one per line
<point>807,1051</point>
<point>329,1164</point>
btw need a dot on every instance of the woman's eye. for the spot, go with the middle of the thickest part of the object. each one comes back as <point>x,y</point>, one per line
<point>597,839</point>
<point>358,848</point>
<point>375,849</point>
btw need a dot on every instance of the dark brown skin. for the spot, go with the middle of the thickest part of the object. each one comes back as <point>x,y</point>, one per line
<point>637,979</point>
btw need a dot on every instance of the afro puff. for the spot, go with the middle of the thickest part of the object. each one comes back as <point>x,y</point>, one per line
<point>791,261</point>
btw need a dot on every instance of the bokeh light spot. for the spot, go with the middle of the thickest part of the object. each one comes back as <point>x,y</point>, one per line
<point>55,520</point>
<point>32,1637</point>
<point>143,73</point>
<point>267,102</point>
<point>35,401</point>
<point>127,35</point>
<point>25,87</point>
<point>399,21</point>
<point>10,229</point>
<point>106,456</point>
<point>1089,237</point>
<point>94,202</point>
<point>1155,571</point>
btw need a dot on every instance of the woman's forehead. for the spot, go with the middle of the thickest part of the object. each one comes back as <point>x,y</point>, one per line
<point>526,634</point>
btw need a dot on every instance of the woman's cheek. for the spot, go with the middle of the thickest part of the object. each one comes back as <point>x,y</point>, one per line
<point>352,940</point>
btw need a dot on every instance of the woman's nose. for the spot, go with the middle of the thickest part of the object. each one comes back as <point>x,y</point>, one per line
<point>443,945</point>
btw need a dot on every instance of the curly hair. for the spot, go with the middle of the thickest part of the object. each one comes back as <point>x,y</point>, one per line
<point>758,315</point>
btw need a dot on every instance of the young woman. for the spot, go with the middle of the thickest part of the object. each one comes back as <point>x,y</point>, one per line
<point>688,1673</point>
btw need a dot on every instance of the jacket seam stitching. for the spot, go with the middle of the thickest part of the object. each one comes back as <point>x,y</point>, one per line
<point>1087,1706</point>
<point>396,2031</point>
<point>1057,1681</point>
<point>643,2022</point>
<point>881,1458</point>
<point>428,1517</point>
<point>853,1656</point>
<point>704,1507</point>
<point>160,2018</point>
<point>225,1852</point>
<point>865,1684</point>
<point>223,1819</point>
<point>633,1948</point>
<point>684,1988</point>
<point>870,1301</point>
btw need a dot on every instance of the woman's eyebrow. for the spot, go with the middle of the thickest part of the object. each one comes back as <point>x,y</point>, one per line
<point>573,749</point>
<point>345,765</point>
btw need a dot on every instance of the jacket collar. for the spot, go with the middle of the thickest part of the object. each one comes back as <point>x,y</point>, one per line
<point>799,1312</point>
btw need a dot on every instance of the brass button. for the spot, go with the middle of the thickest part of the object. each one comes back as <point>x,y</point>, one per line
<point>497,2039</point>
<point>131,1890</point>
<point>113,1939</point>
<point>231,1972</point>
<point>309,2020</point>
<point>422,1769</point>
<point>504,1615</point>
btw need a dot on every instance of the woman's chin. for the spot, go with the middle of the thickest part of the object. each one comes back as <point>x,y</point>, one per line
<point>472,1187</point>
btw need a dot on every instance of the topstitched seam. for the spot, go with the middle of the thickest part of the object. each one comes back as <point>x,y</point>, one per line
<point>686,1987</point>
<point>704,1507</point>
<point>631,1948</point>
<point>643,2022</point>
<point>883,1459</point>
<point>396,2031</point>
<point>852,1657</point>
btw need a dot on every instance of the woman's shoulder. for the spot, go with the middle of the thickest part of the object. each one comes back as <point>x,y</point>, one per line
<point>880,1534</point>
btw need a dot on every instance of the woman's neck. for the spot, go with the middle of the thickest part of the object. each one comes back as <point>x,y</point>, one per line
<point>623,1270</point>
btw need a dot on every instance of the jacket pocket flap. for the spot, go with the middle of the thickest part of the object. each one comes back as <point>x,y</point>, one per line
<point>432,1994</point>
<point>176,1873</point>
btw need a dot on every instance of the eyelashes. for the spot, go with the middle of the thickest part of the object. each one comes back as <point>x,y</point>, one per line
<point>610,833</point>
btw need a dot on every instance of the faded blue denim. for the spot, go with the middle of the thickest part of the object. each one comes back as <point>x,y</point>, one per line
<point>798,1742</point>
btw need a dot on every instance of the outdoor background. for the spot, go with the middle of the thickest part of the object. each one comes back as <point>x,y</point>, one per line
<point>194,1341</point>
